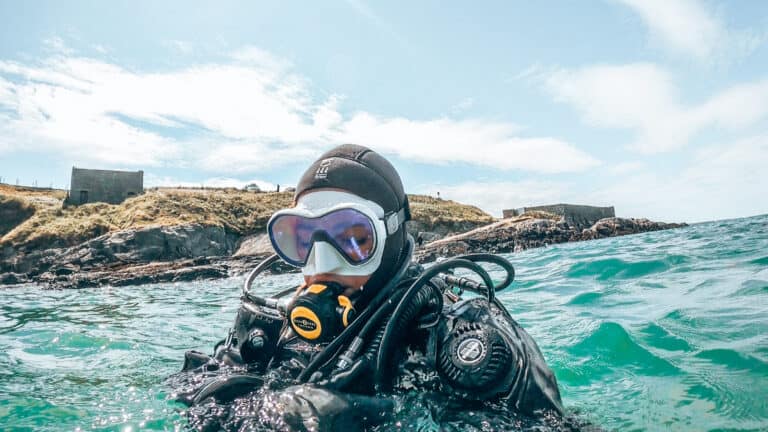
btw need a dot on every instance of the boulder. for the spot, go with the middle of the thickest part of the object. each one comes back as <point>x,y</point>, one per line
<point>13,278</point>
<point>254,245</point>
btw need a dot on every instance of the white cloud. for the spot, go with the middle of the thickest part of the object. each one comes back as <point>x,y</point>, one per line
<point>101,49</point>
<point>244,157</point>
<point>74,106</point>
<point>250,113</point>
<point>688,27</point>
<point>474,141</point>
<point>642,97</point>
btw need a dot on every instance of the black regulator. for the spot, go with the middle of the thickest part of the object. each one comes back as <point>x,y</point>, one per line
<point>475,353</point>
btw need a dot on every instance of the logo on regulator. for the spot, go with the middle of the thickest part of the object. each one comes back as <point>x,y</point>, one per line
<point>471,351</point>
<point>305,323</point>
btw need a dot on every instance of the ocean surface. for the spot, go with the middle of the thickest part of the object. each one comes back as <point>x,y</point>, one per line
<point>657,331</point>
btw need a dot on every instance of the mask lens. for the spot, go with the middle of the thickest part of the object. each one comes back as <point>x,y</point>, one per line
<point>292,236</point>
<point>351,231</point>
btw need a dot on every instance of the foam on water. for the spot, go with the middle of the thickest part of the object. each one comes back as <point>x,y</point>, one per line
<point>663,330</point>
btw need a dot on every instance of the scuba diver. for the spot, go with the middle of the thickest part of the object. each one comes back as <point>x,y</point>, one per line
<point>366,322</point>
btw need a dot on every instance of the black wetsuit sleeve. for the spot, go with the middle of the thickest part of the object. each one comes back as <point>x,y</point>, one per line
<point>537,388</point>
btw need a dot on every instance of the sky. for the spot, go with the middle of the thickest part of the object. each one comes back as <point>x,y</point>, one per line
<point>657,107</point>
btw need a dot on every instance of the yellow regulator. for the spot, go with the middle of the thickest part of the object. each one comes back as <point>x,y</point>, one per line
<point>321,312</point>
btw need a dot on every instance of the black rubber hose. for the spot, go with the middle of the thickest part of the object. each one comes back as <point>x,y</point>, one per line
<point>503,263</point>
<point>373,346</point>
<point>413,290</point>
<point>252,276</point>
<point>398,325</point>
<point>369,353</point>
<point>333,347</point>
<point>384,309</point>
<point>499,261</point>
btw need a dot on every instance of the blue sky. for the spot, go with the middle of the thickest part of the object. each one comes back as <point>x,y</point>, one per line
<point>659,108</point>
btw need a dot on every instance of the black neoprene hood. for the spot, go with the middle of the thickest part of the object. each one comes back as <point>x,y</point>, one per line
<point>365,173</point>
<point>358,170</point>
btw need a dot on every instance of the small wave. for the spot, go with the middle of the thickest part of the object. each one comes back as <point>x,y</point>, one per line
<point>586,298</point>
<point>610,344</point>
<point>659,337</point>
<point>679,316</point>
<point>760,261</point>
<point>609,268</point>
<point>751,287</point>
<point>734,360</point>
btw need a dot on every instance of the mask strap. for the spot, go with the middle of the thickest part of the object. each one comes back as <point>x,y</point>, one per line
<point>393,221</point>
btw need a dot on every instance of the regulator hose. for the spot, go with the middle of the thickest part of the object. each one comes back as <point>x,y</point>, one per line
<point>475,286</point>
<point>426,296</point>
<point>261,301</point>
<point>499,261</point>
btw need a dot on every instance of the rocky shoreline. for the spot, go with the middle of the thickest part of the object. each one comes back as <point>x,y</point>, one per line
<point>517,234</point>
<point>191,252</point>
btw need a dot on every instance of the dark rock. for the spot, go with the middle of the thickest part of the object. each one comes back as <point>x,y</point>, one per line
<point>13,278</point>
<point>610,227</point>
<point>202,272</point>
<point>66,269</point>
<point>257,244</point>
<point>132,246</point>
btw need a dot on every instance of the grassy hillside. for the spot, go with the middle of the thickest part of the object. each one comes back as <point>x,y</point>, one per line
<point>432,211</point>
<point>18,203</point>
<point>13,211</point>
<point>237,211</point>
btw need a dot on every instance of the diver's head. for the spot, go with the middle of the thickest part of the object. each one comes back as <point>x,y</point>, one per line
<point>348,222</point>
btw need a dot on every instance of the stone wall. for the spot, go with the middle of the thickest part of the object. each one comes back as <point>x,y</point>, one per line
<point>576,215</point>
<point>104,186</point>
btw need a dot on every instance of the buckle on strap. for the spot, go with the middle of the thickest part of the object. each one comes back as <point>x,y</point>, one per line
<point>393,221</point>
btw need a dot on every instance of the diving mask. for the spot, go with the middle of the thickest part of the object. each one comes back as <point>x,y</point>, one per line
<point>332,232</point>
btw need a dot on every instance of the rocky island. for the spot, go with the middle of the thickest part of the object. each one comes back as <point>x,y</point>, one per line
<point>168,234</point>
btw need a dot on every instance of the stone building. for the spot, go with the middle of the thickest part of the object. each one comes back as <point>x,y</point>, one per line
<point>89,185</point>
<point>577,215</point>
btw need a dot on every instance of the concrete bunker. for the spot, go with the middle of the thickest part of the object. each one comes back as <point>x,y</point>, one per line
<point>109,186</point>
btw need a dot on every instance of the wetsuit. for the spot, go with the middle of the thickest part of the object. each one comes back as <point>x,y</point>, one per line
<point>469,352</point>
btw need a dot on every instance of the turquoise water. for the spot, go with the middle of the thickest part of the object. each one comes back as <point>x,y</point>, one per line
<point>658,331</point>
